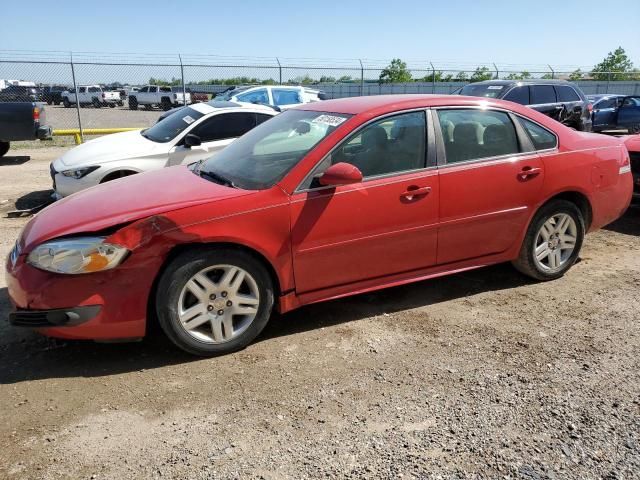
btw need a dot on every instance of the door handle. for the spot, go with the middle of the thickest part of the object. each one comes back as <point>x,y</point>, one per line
<point>529,172</point>
<point>415,191</point>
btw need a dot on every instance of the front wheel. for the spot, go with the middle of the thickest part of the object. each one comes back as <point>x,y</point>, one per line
<point>553,241</point>
<point>633,129</point>
<point>4,148</point>
<point>214,302</point>
<point>133,103</point>
<point>66,103</point>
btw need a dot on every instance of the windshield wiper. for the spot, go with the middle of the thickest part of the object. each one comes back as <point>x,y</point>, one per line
<point>214,177</point>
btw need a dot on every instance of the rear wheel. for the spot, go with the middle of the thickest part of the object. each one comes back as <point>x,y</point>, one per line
<point>96,103</point>
<point>165,104</point>
<point>133,103</point>
<point>112,105</point>
<point>213,302</point>
<point>66,102</point>
<point>634,129</point>
<point>553,241</point>
<point>4,148</point>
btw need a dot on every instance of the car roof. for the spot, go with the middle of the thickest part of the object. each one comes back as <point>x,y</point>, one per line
<point>210,107</point>
<point>378,104</point>
<point>524,82</point>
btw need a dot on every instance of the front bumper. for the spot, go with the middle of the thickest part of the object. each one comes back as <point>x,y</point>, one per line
<point>65,186</point>
<point>63,317</point>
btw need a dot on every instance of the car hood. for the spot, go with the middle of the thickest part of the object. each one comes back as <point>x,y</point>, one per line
<point>108,148</point>
<point>632,143</point>
<point>122,201</point>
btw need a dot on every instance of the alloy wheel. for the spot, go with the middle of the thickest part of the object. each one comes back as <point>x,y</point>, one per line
<point>555,242</point>
<point>218,304</point>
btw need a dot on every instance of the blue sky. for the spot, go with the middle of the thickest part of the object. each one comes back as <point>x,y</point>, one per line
<point>461,31</point>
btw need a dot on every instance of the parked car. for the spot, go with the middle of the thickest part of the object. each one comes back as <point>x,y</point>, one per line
<point>277,95</point>
<point>325,200</point>
<point>22,121</point>
<point>563,101</point>
<point>122,93</point>
<point>52,94</point>
<point>154,95</point>
<point>197,97</point>
<point>20,93</point>
<point>633,145</point>
<point>615,112</point>
<point>91,95</point>
<point>188,136</point>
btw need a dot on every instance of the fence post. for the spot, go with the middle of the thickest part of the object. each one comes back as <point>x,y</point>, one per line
<point>361,78</point>
<point>184,88</point>
<point>75,89</point>
<point>433,78</point>
<point>279,69</point>
<point>497,72</point>
<point>553,74</point>
<point>608,81</point>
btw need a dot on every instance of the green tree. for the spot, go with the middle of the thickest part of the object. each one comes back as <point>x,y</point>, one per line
<point>576,75</point>
<point>461,77</point>
<point>327,79</point>
<point>617,62</point>
<point>524,75</point>
<point>481,73</point>
<point>396,72</point>
<point>345,79</point>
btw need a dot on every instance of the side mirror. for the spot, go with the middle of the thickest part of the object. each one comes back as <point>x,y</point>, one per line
<point>191,140</point>
<point>340,174</point>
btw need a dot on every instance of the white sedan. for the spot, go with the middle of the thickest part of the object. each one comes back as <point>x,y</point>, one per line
<point>191,134</point>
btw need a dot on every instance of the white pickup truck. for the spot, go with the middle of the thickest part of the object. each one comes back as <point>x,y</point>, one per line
<point>155,95</point>
<point>91,95</point>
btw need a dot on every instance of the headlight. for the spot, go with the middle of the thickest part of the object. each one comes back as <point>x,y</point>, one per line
<point>77,255</point>
<point>79,172</point>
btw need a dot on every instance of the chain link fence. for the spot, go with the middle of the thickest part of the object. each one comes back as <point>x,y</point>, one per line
<point>56,75</point>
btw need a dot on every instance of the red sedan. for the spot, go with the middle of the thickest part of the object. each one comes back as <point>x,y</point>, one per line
<point>325,200</point>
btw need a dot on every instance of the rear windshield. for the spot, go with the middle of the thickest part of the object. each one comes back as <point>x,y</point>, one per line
<point>169,128</point>
<point>484,90</point>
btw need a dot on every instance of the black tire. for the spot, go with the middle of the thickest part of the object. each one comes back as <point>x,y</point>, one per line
<point>57,102</point>
<point>525,262</point>
<point>165,104</point>
<point>66,102</point>
<point>133,103</point>
<point>112,105</point>
<point>633,129</point>
<point>181,270</point>
<point>4,148</point>
<point>96,103</point>
<point>120,104</point>
<point>49,101</point>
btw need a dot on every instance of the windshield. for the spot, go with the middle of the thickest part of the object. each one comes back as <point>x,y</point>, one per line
<point>228,94</point>
<point>492,91</point>
<point>264,155</point>
<point>169,128</point>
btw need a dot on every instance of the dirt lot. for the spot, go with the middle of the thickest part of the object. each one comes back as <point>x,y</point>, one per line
<point>478,375</point>
<point>118,117</point>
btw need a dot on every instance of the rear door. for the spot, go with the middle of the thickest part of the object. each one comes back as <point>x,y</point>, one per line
<point>604,113</point>
<point>629,112</point>
<point>490,179</point>
<point>543,99</point>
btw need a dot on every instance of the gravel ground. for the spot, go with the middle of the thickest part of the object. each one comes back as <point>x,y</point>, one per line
<point>479,375</point>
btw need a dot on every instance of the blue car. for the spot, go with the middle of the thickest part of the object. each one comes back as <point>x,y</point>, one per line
<point>615,112</point>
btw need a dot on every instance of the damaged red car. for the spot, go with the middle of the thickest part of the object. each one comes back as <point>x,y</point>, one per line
<point>325,200</point>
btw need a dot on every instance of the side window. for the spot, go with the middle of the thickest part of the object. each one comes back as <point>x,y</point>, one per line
<point>518,95</point>
<point>261,117</point>
<point>93,89</point>
<point>144,90</point>
<point>223,126</point>
<point>474,134</point>
<point>542,94</point>
<point>256,96</point>
<point>394,144</point>
<point>631,102</point>
<point>606,103</point>
<point>165,89</point>
<point>541,138</point>
<point>285,97</point>
<point>567,94</point>
<point>83,89</point>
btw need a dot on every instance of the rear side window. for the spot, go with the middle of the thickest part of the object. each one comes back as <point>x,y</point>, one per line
<point>542,94</point>
<point>567,94</point>
<point>285,97</point>
<point>256,96</point>
<point>518,95</point>
<point>94,89</point>
<point>606,103</point>
<point>223,126</point>
<point>475,134</point>
<point>261,117</point>
<point>541,138</point>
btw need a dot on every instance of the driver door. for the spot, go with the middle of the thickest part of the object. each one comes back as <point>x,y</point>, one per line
<point>215,132</point>
<point>384,225</point>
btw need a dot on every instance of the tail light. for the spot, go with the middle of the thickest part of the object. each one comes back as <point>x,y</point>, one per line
<point>590,107</point>
<point>36,114</point>
<point>175,96</point>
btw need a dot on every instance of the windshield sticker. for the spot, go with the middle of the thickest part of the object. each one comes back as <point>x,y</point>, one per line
<point>330,120</point>
<point>494,87</point>
<point>188,120</point>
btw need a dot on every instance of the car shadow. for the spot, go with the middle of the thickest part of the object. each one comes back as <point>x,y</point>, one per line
<point>34,199</point>
<point>26,355</point>
<point>629,223</point>
<point>14,160</point>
